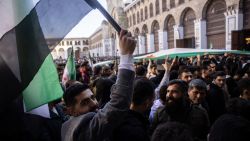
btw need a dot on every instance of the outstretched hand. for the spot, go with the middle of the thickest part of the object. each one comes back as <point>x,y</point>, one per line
<point>127,43</point>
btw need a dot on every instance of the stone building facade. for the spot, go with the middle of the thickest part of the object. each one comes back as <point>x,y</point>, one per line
<point>101,43</point>
<point>164,24</point>
<point>64,47</point>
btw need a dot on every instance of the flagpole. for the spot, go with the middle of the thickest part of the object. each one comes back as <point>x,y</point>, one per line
<point>95,4</point>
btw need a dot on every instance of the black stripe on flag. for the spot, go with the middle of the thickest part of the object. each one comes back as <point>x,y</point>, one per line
<point>9,85</point>
<point>49,19</point>
<point>32,47</point>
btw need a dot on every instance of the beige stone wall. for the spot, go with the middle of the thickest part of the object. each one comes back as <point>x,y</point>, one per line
<point>199,7</point>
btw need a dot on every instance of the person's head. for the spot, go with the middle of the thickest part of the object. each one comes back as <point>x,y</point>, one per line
<point>230,128</point>
<point>85,67</point>
<point>172,131</point>
<point>219,78</point>
<point>140,71</point>
<point>79,100</point>
<point>185,75</point>
<point>153,69</point>
<point>212,67</point>
<point>205,72</point>
<point>143,94</point>
<point>103,87</point>
<point>244,88</point>
<point>196,72</point>
<point>71,82</point>
<point>176,91</point>
<point>239,107</point>
<point>97,70</point>
<point>106,71</point>
<point>197,90</point>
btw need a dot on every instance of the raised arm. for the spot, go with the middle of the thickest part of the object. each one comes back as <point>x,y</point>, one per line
<point>106,119</point>
<point>167,66</point>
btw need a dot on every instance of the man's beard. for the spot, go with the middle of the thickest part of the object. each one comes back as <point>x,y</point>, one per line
<point>176,108</point>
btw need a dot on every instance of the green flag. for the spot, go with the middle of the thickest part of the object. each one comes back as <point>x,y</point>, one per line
<point>70,69</point>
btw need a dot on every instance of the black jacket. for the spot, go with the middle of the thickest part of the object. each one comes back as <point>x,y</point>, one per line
<point>134,128</point>
<point>192,115</point>
<point>216,102</point>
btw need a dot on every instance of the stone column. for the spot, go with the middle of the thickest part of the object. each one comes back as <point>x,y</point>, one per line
<point>234,21</point>
<point>136,52</point>
<point>200,31</point>
<point>151,47</point>
<point>178,33</point>
<point>162,39</point>
<point>141,41</point>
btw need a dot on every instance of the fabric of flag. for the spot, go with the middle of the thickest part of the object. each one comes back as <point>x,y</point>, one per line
<point>70,69</point>
<point>26,66</point>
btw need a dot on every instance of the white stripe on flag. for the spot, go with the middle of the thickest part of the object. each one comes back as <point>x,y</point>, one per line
<point>65,77</point>
<point>12,12</point>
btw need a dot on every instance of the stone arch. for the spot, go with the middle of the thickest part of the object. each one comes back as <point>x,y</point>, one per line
<point>187,21</point>
<point>144,32</point>
<point>77,52</point>
<point>54,53</point>
<point>136,32</point>
<point>154,29</point>
<point>157,7</point>
<point>146,12</point>
<point>213,12</point>
<point>61,53</point>
<point>69,51</point>
<point>169,23</point>
<point>244,7</point>
<point>151,10</point>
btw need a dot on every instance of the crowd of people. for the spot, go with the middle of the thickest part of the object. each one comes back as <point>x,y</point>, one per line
<point>202,98</point>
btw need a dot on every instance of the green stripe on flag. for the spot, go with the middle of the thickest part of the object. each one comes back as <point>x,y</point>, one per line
<point>44,87</point>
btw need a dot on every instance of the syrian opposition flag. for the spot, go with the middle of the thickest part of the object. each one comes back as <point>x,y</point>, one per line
<point>26,66</point>
<point>70,69</point>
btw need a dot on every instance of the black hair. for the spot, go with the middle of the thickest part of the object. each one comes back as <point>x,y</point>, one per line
<point>172,131</point>
<point>143,90</point>
<point>103,87</point>
<point>239,107</point>
<point>184,70</point>
<point>97,70</point>
<point>230,128</point>
<point>140,71</point>
<point>244,84</point>
<point>85,63</point>
<point>72,91</point>
<point>173,75</point>
<point>217,74</point>
<point>183,86</point>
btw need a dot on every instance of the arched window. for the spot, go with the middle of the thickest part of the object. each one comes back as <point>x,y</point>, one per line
<point>246,14</point>
<point>156,27</point>
<point>216,24</point>
<point>164,5</point>
<point>172,3</point>
<point>133,19</point>
<point>146,13</point>
<point>144,33</point>
<point>130,20</point>
<point>157,7</point>
<point>188,23</point>
<point>151,10</point>
<point>141,14</point>
<point>138,17</point>
<point>181,1</point>
<point>169,26</point>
